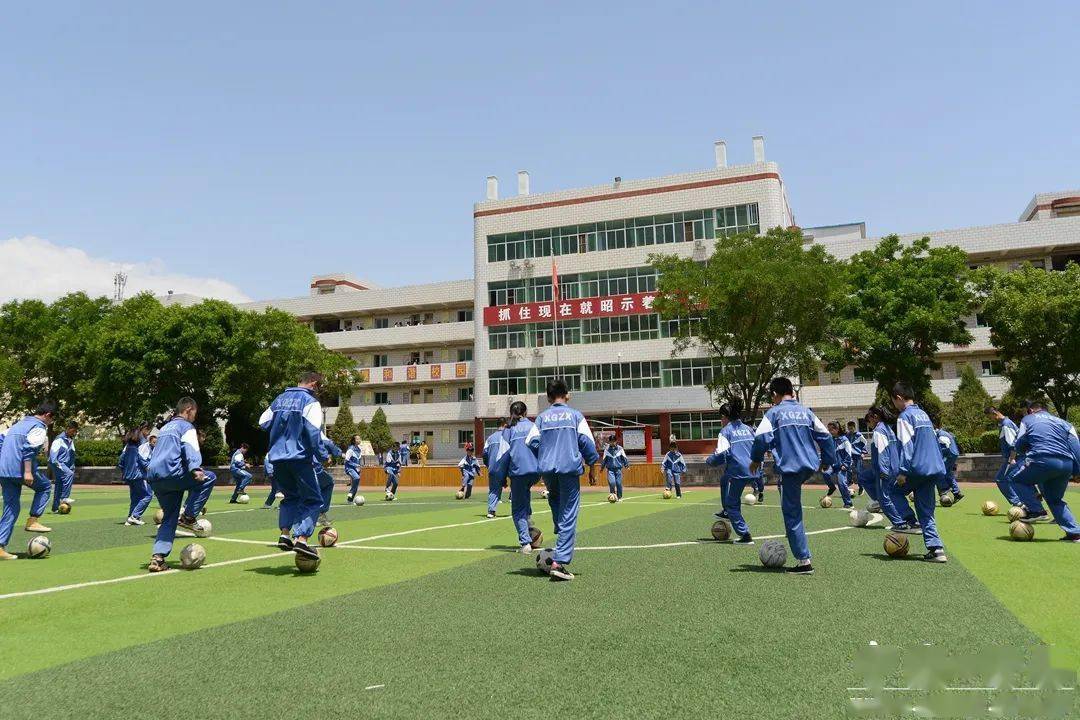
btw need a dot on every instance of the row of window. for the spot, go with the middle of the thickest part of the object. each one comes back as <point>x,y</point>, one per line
<point>587,332</point>
<point>691,372</point>
<point>619,234</point>
<point>412,397</point>
<point>623,281</point>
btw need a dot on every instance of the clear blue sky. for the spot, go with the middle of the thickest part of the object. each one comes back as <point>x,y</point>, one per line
<point>263,142</point>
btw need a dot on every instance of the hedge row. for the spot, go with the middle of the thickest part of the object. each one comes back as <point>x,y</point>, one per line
<point>987,443</point>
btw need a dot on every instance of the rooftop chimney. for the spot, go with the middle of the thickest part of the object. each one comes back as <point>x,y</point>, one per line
<point>720,148</point>
<point>492,188</point>
<point>523,182</point>
<point>759,148</point>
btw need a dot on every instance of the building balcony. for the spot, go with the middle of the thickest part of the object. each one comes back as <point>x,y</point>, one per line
<point>410,374</point>
<point>434,412</point>
<point>439,334</point>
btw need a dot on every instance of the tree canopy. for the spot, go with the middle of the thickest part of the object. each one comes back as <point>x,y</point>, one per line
<point>378,432</point>
<point>965,414</point>
<point>759,305</point>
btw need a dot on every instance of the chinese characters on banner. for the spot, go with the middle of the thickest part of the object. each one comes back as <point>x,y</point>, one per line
<point>610,306</point>
<point>410,372</point>
<point>436,372</point>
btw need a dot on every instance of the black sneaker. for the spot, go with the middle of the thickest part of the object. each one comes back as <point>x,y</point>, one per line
<point>560,572</point>
<point>232,501</point>
<point>1033,518</point>
<point>936,555</point>
<point>1070,537</point>
<point>761,497</point>
<point>806,569</point>
<point>284,542</point>
<point>860,491</point>
<point>957,497</point>
<point>302,548</point>
<point>722,515</point>
<point>348,498</point>
<point>744,540</point>
<point>157,564</point>
<point>849,506</point>
<point>907,528</point>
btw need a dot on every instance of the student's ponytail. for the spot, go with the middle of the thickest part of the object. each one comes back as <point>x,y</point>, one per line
<point>517,412</point>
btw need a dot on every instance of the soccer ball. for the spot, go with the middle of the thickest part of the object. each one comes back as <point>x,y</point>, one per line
<point>989,508</point>
<point>859,518</point>
<point>1016,513</point>
<point>1021,531</point>
<point>65,507</point>
<point>389,495</point>
<point>896,545</point>
<point>750,499</point>
<point>38,547</point>
<point>667,494</point>
<point>306,564</point>
<point>328,537</point>
<point>460,494</point>
<point>279,495</point>
<point>536,537</point>
<point>159,516</point>
<point>544,560</point>
<point>358,501</point>
<point>203,528</point>
<point>947,499</point>
<point>826,502</point>
<point>192,556</point>
<point>721,531</point>
<point>244,499</point>
<point>772,554</point>
<point>544,493</point>
<point>612,497</point>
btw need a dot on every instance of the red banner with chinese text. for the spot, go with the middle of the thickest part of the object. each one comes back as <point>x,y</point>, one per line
<point>609,306</point>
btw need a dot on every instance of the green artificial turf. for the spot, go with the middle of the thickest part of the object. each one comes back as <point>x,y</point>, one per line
<point>453,623</point>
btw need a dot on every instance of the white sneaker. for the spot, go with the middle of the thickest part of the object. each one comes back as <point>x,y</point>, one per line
<point>873,507</point>
<point>323,520</point>
<point>526,549</point>
<point>134,521</point>
<point>280,496</point>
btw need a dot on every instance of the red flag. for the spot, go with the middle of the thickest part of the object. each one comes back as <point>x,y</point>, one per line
<point>554,281</point>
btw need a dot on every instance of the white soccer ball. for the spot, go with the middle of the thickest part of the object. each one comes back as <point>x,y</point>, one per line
<point>192,556</point>
<point>358,500</point>
<point>858,518</point>
<point>389,495</point>
<point>750,499</point>
<point>544,559</point>
<point>203,528</point>
<point>159,516</point>
<point>544,493</point>
<point>244,499</point>
<point>772,553</point>
<point>38,547</point>
<point>279,495</point>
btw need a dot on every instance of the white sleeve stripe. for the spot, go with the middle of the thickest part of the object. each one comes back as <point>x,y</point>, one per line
<point>1011,435</point>
<point>765,426</point>
<point>583,428</point>
<point>722,445</point>
<point>534,432</point>
<point>313,414</point>
<point>191,439</point>
<point>904,431</point>
<point>818,425</point>
<point>881,442</point>
<point>37,437</point>
<point>267,416</point>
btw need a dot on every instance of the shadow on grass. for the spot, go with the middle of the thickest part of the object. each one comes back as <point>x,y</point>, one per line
<point>752,568</point>
<point>885,557</point>
<point>279,571</point>
<point>505,548</point>
<point>528,572</point>
<point>1008,538</point>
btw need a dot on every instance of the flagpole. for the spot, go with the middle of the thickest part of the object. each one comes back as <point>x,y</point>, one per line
<point>555,314</point>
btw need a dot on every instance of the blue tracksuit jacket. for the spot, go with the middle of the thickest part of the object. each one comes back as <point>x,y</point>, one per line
<point>294,421</point>
<point>470,469</point>
<point>885,452</point>
<point>563,441</point>
<point>23,441</point>
<point>950,449</point>
<point>674,463</point>
<point>521,459</point>
<point>62,456</point>
<point>920,452</point>
<point>353,459</point>
<point>133,462</point>
<point>497,455</point>
<point>799,441</point>
<point>177,451</point>
<point>734,446</point>
<point>1043,436</point>
<point>1006,437</point>
<point>615,459</point>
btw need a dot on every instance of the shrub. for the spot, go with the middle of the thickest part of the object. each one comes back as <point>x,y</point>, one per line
<point>97,453</point>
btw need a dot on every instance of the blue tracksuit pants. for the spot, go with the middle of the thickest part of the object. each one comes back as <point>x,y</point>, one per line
<point>868,482</point>
<point>1002,480</point>
<point>948,481</point>
<point>241,478</point>
<point>354,481</point>
<point>326,486</point>
<point>758,483</point>
<point>63,479</point>
<point>672,480</point>
<point>732,500</point>
<point>495,488</point>
<point>303,498</point>
<point>889,491</point>
<point>838,477</point>
<point>564,497</point>
<point>1052,475</point>
<point>614,481</point>
<point>273,492</point>
<point>925,502</point>
<point>170,495</point>
<point>521,505</point>
<point>139,494</point>
<point>12,493</point>
<point>792,511</point>
<point>392,482</point>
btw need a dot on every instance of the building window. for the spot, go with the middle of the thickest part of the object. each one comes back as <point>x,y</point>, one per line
<point>504,337</point>
<point>465,394</point>
<point>864,375</point>
<point>382,398</point>
<point>507,382</point>
<point>464,315</point>
<point>992,367</point>
<point>327,325</point>
<point>691,372</point>
<point>464,354</point>
<point>382,322</point>
<point>622,376</point>
<point>380,360</point>
<point>463,437</point>
<point>980,320</point>
<point>695,426</point>
<point>540,377</point>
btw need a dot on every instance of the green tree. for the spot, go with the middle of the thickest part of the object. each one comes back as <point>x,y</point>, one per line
<point>902,303</point>
<point>1034,319</point>
<point>965,414</point>
<point>344,427</point>
<point>378,432</point>
<point>759,305</point>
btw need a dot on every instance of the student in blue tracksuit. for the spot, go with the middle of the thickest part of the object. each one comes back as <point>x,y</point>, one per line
<point>801,445</point>
<point>133,463</point>
<point>858,449</point>
<point>175,467</point>
<point>921,468</point>
<point>1051,453</point>
<point>19,467</point>
<point>294,421</point>
<point>353,460</point>
<point>268,468</point>
<point>1006,440</point>
<point>239,469</point>
<point>673,467</point>
<point>885,463</point>
<point>403,454</point>
<point>842,468</point>
<point>614,462</point>
<point>564,445</point>
<point>508,455</point>
<point>733,449</point>
<point>392,467</point>
<point>328,449</point>
<point>469,467</point>
<point>62,464</point>
<point>950,452</point>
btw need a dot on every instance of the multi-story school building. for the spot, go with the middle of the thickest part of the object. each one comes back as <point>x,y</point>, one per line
<point>445,360</point>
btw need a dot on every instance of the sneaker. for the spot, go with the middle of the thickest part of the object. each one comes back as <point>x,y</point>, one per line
<point>722,515</point>
<point>134,521</point>
<point>1069,537</point>
<point>936,555</point>
<point>560,572</point>
<point>526,549</point>
<point>957,497</point>
<point>744,540</point>
<point>860,491</point>
<point>491,516</point>
<point>348,498</point>
<point>619,500</point>
<point>302,548</point>
<point>35,526</point>
<point>906,528</point>
<point>233,501</point>
<point>1033,518</point>
<point>5,555</point>
<point>761,497</point>
<point>187,522</point>
<point>280,495</point>
<point>849,506</point>
<point>873,507</point>
<point>806,569</point>
<point>284,542</point>
<point>157,564</point>
<point>269,506</point>
<point>323,520</point>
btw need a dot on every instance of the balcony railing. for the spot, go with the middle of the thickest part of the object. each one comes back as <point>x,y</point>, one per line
<point>408,374</point>
<point>405,336</point>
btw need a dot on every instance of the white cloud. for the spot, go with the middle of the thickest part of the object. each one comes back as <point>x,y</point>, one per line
<point>34,268</point>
